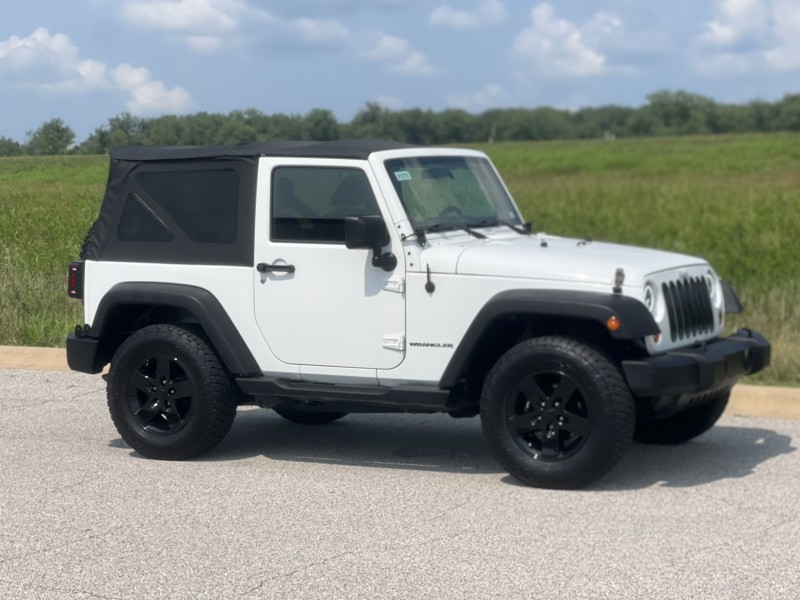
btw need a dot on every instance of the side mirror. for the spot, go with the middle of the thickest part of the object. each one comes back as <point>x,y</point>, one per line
<point>370,232</point>
<point>365,232</point>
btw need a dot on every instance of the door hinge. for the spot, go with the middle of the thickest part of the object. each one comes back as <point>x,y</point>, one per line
<point>395,284</point>
<point>394,341</point>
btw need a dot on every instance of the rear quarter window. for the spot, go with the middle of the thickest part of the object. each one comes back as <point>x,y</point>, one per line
<point>203,204</point>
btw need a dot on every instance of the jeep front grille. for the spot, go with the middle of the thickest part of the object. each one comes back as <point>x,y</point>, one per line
<point>689,307</point>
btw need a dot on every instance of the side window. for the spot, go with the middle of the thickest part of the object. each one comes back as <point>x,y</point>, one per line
<point>309,204</point>
<point>203,204</point>
<point>140,224</point>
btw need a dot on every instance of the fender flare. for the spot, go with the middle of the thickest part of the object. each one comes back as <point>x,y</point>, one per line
<point>199,302</point>
<point>635,320</point>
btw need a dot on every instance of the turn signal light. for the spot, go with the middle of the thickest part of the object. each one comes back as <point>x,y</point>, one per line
<point>613,323</point>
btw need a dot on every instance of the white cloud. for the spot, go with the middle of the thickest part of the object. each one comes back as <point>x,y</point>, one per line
<point>147,95</point>
<point>736,21</point>
<point>491,96</point>
<point>41,50</point>
<point>601,27</point>
<point>400,55</point>
<point>185,15</point>
<point>415,63</point>
<point>786,17</point>
<point>203,25</point>
<point>749,36</point>
<point>203,44</point>
<point>388,47</point>
<point>321,31</point>
<point>487,12</point>
<point>557,47</point>
<point>52,63</point>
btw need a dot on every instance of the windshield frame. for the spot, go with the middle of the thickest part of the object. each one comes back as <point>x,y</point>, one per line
<point>490,194</point>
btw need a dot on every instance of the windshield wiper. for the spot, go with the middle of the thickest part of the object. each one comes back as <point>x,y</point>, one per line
<point>524,230</point>
<point>453,227</point>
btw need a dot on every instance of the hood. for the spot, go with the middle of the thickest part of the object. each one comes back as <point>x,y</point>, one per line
<point>551,258</point>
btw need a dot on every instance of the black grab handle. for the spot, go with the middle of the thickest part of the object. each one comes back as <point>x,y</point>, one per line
<point>265,268</point>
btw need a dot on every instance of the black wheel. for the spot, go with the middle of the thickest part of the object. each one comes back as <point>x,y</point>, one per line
<point>309,417</point>
<point>168,394</point>
<point>682,427</point>
<point>556,413</point>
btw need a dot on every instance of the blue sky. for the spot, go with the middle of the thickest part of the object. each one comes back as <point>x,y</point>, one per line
<point>87,60</point>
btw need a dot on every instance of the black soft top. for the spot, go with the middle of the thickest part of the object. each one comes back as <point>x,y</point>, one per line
<point>358,149</point>
<point>194,204</point>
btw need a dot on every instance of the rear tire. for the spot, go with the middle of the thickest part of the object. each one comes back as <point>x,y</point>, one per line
<point>682,427</point>
<point>168,393</point>
<point>556,413</point>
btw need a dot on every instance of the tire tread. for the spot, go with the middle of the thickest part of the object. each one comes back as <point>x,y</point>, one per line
<point>612,388</point>
<point>217,386</point>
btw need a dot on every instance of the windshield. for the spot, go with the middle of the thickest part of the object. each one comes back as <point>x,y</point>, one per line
<point>451,190</point>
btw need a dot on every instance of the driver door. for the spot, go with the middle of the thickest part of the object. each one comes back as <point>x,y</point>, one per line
<point>319,303</point>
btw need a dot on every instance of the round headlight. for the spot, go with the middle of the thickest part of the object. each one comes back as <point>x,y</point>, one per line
<point>711,283</point>
<point>649,297</point>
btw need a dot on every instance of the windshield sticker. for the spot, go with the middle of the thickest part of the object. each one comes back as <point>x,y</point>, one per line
<point>402,175</point>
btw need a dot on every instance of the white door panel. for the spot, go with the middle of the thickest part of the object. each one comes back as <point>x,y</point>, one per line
<point>334,309</point>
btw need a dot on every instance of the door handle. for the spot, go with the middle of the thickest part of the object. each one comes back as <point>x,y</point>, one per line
<point>265,268</point>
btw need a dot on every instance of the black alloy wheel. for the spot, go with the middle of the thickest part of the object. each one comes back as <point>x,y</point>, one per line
<point>548,417</point>
<point>169,395</point>
<point>556,413</point>
<point>160,393</point>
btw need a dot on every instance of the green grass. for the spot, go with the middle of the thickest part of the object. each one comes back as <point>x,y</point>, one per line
<point>46,206</point>
<point>734,200</point>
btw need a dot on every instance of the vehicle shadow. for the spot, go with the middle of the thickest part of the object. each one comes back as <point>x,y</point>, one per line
<point>440,443</point>
<point>724,452</point>
<point>401,441</point>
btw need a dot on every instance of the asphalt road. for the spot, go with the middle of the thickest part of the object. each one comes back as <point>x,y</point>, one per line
<point>378,506</point>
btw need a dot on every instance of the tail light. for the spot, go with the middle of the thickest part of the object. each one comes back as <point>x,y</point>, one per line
<point>75,280</point>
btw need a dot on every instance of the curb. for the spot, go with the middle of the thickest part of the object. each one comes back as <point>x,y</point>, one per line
<point>766,402</point>
<point>33,359</point>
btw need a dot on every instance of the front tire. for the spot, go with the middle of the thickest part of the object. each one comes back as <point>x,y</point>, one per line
<point>168,393</point>
<point>684,426</point>
<point>556,413</point>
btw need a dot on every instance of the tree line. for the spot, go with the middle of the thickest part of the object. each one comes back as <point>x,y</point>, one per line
<point>665,113</point>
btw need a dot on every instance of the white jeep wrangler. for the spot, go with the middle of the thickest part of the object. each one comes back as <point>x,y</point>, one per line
<point>320,279</point>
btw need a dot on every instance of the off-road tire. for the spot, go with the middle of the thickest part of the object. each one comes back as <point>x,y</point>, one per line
<point>310,417</point>
<point>169,395</point>
<point>683,426</point>
<point>556,413</point>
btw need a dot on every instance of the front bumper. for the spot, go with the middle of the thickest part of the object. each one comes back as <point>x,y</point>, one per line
<point>699,369</point>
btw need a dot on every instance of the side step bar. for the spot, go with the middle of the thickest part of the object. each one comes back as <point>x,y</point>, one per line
<point>399,398</point>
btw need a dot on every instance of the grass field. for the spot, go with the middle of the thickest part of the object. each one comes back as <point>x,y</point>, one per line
<point>733,199</point>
